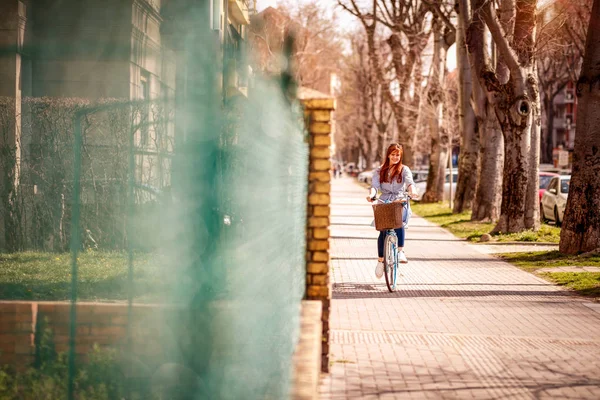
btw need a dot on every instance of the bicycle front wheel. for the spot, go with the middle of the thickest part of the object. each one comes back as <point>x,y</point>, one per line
<point>390,258</point>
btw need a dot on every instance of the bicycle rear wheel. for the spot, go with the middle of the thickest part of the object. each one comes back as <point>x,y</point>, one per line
<point>390,252</point>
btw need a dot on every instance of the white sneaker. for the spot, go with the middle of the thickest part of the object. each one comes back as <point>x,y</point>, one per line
<point>379,269</point>
<point>402,257</point>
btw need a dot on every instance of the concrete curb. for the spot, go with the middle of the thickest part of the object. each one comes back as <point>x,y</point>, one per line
<point>306,362</point>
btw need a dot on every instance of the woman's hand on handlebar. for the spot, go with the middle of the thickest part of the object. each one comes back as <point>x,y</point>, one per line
<point>372,195</point>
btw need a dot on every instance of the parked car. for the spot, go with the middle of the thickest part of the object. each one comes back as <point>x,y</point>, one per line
<point>366,176</point>
<point>554,199</point>
<point>422,185</point>
<point>545,178</point>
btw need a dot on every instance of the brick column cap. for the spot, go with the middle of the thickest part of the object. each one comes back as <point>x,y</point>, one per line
<point>315,100</point>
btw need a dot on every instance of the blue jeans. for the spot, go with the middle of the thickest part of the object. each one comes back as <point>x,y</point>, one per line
<point>381,239</point>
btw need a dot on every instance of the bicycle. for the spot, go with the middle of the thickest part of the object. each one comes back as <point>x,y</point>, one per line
<point>390,249</point>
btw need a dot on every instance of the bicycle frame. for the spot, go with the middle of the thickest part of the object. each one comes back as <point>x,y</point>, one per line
<point>392,233</point>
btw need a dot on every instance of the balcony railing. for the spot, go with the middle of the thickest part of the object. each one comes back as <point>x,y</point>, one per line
<point>238,11</point>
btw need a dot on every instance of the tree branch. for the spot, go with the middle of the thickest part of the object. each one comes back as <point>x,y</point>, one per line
<point>499,36</point>
<point>436,8</point>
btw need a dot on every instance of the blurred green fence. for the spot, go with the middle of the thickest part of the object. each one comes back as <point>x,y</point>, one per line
<point>223,219</point>
<point>202,201</point>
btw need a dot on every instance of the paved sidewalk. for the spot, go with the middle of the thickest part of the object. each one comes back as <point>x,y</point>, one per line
<point>463,325</point>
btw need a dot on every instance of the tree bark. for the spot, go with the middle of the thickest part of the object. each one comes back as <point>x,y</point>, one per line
<point>486,204</point>
<point>532,209</point>
<point>517,144</point>
<point>468,161</point>
<point>581,226</point>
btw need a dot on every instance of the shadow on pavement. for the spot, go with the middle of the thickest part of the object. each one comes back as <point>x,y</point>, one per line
<point>406,239</point>
<point>354,291</point>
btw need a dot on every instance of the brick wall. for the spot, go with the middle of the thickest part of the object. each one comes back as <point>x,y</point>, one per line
<point>97,323</point>
<point>17,329</point>
<point>319,120</point>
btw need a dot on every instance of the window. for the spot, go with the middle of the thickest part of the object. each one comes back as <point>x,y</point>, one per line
<point>569,95</point>
<point>544,181</point>
<point>564,185</point>
<point>145,108</point>
<point>454,177</point>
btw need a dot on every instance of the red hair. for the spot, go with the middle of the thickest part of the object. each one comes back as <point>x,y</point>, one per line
<point>393,170</point>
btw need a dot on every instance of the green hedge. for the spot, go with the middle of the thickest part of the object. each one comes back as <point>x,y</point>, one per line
<point>37,207</point>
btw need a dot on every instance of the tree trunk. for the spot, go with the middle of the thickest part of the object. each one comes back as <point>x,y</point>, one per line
<point>517,144</point>
<point>435,178</point>
<point>514,103</point>
<point>468,165</point>
<point>532,205</point>
<point>486,204</point>
<point>581,226</point>
<point>368,154</point>
<point>548,134</point>
<point>382,141</point>
<point>439,137</point>
<point>516,109</point>
<point>404,138</point>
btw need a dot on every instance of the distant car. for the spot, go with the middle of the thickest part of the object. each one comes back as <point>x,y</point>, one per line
<point>422,185</point>
<point>554,199</point>
<point>351,169</point>
<point>545,178</point>
<point>366,176</point>
<point>420,175</point>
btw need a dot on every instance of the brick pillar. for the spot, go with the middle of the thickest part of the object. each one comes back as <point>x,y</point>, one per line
<point>319,120</point>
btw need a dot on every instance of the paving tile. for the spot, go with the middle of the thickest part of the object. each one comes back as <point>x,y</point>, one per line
<point>462,324</point>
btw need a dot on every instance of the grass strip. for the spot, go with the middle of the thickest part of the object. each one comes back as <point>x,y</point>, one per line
<point>461,225</point>
<point>102,276</point>
<point>584,283</point>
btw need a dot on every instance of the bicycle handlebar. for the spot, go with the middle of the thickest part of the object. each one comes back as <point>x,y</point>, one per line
<point>404,198</point>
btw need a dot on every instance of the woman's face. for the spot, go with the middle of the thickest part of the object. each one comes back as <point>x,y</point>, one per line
<point>394,157</point>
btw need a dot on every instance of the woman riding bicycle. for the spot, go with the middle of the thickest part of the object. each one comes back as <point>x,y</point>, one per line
<point>393,179</point>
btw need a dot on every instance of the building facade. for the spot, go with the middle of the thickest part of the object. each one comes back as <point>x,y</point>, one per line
<point>565,115</point>
<point>123,50</point>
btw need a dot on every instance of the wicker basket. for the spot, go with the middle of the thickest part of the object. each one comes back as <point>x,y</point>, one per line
<point>388,215</point>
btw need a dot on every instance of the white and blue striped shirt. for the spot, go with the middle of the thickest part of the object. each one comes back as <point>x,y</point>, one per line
<point>394,190</point>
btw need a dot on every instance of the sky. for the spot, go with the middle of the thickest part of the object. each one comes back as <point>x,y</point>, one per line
<point>262,4</point>
<point>345,18</point>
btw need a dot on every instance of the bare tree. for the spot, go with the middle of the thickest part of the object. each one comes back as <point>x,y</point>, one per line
<point>354,116</point>
<point>559,51</point>
<point>514,89</point>
<point>318,45</point>
<point>469,139</point>
<point>405,25</point>
<point>440,141</point>
<point>468,162</point>
<point>581,227</point>
<point>487,200</point>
